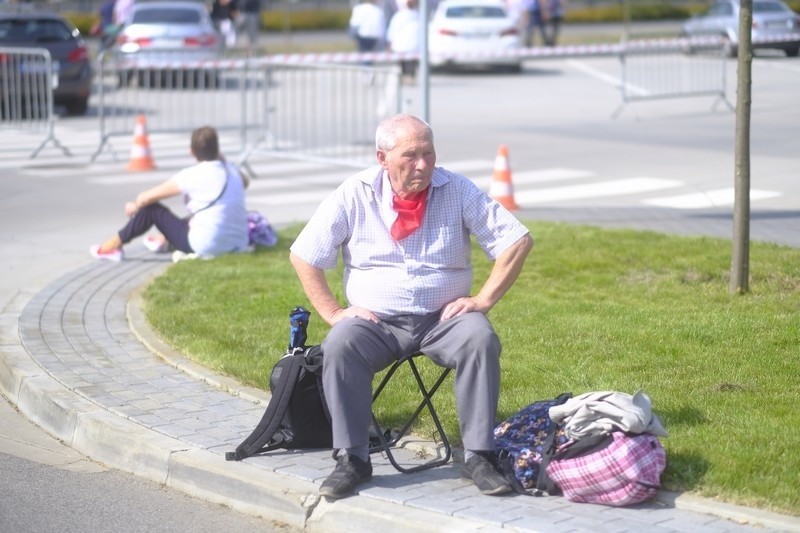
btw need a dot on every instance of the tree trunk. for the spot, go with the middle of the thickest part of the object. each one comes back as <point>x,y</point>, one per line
<point>740,263</point>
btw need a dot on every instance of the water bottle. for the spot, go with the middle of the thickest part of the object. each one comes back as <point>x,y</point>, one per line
<point>298,320</point>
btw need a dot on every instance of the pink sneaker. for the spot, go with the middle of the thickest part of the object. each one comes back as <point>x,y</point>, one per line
<point>114,255</point>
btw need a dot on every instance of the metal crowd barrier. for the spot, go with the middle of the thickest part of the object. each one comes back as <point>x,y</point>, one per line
<point>674,68</point>
<point>178,96</point>
<point>311,111</point>
<point>327,112</point>
<point>27,79</point>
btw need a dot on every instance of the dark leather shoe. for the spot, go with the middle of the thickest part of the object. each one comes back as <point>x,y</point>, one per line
<point>349,472</point>
<point>481,470</point>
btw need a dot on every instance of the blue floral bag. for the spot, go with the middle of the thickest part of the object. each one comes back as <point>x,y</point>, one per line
<point>520,440</point>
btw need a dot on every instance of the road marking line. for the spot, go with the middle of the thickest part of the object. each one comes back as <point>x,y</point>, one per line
<point>607,78</point>
<point>715,198</point>
<point>537,176</point>
<point>594,190</point>
<point>293,198</point>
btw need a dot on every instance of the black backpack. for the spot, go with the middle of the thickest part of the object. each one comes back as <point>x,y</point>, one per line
<point>297,415</point>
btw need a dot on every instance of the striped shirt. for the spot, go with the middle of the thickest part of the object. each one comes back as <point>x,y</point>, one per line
<point>417,275</point>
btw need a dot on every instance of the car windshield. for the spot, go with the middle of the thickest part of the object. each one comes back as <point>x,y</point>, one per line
<point>475,12</point>
<point>34,31</point>
<point>166,16</point>
<point>768,7</point>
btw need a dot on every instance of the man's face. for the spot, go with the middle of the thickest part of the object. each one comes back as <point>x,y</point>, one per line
<point>410,163</point>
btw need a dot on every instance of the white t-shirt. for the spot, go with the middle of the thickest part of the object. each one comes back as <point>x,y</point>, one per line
<point>403,32</point>
<point>221,228</point>
<point>368,20</point>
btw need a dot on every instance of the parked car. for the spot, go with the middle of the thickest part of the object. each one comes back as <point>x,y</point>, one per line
<point>775,25</point>
<point>473,33</point>
<point>160,34</point>
<point>72,69</point>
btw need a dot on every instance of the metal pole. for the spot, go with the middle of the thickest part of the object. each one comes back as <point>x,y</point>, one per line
<point>424,68</point>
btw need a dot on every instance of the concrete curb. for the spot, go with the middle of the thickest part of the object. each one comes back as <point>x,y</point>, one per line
<point>249,487</point>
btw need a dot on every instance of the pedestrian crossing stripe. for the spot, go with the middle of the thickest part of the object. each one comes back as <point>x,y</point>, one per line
<point>706,199</point>
<point>594,190</point>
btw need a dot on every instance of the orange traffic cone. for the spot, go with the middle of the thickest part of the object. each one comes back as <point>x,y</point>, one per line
<point>141,159</point>
<point>501,188</point>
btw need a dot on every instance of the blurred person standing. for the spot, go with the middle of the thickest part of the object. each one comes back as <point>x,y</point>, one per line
<point>251,23</point>
<point>105,28</point>
<point>122,11</point>
<point>555,14</point>
<point>536,17</point>
<point>368,26</point>
<point>223,15</point>
<point>402,36</point>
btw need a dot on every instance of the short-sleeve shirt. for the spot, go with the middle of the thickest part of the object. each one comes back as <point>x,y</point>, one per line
<point>421,273</point>
<point>403,31</point>
<point>368,20</point>
<point>221,228</point>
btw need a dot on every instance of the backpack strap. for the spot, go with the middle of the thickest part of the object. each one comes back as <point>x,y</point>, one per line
<point>215,200</point>
<point>543,481</point>
<point>261,439</point>
<point>312,362</point>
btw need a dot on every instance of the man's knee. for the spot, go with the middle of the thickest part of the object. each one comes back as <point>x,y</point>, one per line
<point>476,331</point>
<point>355,339</point>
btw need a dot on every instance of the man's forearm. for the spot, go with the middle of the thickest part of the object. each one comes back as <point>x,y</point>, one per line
<point>316,287</point>
<point>505,272</point>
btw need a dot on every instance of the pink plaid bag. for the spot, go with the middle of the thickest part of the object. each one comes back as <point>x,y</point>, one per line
<point>626,472</point>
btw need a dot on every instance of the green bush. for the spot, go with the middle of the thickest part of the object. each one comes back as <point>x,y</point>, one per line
<point>615,13</point>
<point>82,21</point>
<point>305,20</point>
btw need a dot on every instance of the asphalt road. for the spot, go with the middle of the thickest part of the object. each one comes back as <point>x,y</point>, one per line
<point>47,486</point>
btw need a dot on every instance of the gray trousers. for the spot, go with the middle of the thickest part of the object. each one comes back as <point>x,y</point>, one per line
<point>356,349</point>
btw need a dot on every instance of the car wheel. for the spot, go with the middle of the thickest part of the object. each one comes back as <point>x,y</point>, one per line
<point>793,51</point>
<point>77,106</point>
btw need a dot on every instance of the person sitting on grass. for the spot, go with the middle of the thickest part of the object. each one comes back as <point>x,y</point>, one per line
<point>403,231</point>
<point>213,191</point>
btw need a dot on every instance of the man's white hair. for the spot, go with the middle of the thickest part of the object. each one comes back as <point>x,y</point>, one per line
<point>386,134</point>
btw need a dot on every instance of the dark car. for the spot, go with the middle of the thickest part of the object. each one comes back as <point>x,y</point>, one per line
<point>72,69</point>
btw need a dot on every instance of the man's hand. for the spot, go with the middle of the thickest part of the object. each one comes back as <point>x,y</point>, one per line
<point>352,312</point>
<point>462,306</point>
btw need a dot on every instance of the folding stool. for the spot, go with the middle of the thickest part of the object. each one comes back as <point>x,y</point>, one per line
<point>388,440</point>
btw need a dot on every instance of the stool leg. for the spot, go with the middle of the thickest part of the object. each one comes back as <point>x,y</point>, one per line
<point>385,444</point>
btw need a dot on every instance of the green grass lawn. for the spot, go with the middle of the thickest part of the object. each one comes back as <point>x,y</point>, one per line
<point>593,310</point>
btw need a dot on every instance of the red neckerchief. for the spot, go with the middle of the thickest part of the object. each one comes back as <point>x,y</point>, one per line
<point>409,214</point>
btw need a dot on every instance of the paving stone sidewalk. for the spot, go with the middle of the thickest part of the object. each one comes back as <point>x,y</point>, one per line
<point>86,368</point>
